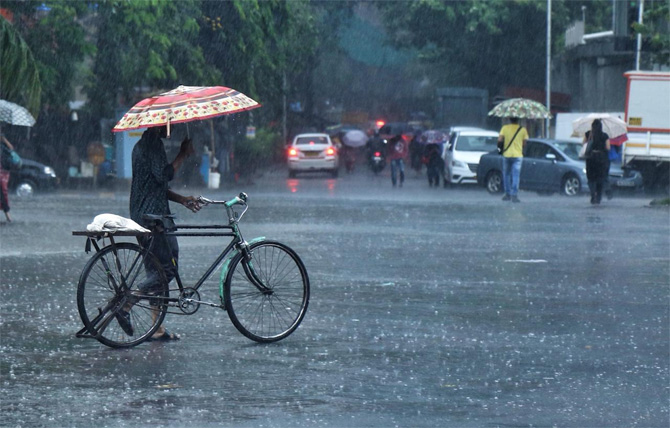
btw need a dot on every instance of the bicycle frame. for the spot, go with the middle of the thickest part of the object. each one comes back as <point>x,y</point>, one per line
<point>236,244</point>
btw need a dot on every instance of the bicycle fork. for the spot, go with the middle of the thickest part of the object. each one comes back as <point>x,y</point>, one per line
<point>250,271</point>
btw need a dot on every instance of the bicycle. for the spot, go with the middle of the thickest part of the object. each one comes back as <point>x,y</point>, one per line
<point>264,285</point>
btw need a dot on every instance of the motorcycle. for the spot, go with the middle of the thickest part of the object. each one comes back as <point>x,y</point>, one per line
<point>377,161</point>
<point>376,153</point>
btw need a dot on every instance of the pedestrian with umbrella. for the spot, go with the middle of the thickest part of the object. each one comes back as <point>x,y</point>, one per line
<point>597,161</point>
<point>12,114</point>
<point>353,140</point>
<point>7,162</point>
<point>512,139</point>
<point>150,192</point>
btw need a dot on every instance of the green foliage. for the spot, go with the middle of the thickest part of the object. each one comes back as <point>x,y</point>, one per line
<point>250,154</point>
<point>655,30</point>
<point>146,44</point>
<point>486,43</point>
<point>18,70</point>
<point>58,43</point>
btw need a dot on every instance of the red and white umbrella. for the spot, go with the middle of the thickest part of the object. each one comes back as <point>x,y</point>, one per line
<point>184,104</point>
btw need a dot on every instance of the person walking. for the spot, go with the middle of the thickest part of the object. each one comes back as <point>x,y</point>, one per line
<point>5,167</point>
<point>415,152</point>
<point>150,194</point>
<point>434,164</point>
<point>513,138</point>
<point>597,161</point>
<point>398,149</point>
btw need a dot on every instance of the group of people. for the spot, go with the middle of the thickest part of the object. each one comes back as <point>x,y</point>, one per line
<point>397,150</point>
<point>512,140</point>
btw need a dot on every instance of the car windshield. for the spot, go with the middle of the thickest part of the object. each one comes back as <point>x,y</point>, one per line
<point>570,149</point>
<point>303,141</point>
<point>476,143</point>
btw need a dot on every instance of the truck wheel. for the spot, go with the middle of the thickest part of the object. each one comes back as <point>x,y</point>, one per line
<point>494,182</point>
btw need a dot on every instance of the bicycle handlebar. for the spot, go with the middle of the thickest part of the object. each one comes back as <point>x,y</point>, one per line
<point>240,199</point>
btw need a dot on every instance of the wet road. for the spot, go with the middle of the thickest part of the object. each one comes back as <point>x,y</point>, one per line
<point>430,307</point>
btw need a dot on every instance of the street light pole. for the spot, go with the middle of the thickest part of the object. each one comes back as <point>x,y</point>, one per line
<point>638,49</point>
<point>548,87</point>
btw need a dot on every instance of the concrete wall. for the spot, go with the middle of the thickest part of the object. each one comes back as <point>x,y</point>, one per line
<point>593,75</point>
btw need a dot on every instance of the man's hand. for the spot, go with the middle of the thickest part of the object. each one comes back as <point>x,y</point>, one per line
<point>191,202</point>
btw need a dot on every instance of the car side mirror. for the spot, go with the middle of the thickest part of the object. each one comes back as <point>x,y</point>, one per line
<point>550,156</point>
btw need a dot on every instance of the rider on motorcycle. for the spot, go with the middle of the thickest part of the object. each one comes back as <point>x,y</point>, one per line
<point>376,144</point>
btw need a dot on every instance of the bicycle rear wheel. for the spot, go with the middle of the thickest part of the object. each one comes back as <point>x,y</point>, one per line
<point>122,295</point>
<point>267,298</point>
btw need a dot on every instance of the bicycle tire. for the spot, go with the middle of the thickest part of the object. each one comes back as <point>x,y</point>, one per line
<point>110,283</point>
<point>267,317</point>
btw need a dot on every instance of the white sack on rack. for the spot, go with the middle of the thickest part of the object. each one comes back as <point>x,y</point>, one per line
<point>114,223</point>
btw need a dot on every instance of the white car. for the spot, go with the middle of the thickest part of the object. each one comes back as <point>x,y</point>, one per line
<point>462,152</point>
<point>312,152</point>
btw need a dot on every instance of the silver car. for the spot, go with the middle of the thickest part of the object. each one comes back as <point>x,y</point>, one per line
<point>312,152</point>
<point>550,166</point>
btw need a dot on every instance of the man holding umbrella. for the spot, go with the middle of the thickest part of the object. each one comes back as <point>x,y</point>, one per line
<point>149,194</point>
<point>513,137</point>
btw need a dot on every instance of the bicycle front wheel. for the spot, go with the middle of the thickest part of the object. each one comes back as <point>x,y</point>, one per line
<point>267,296</point>
<point>122,295</point>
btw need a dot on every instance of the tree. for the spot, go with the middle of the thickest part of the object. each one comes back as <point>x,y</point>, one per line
<point>18,69</point>
<point>487,44</point>
<point>143,47</point>
<point>57,42</point>
<point>655,31</point>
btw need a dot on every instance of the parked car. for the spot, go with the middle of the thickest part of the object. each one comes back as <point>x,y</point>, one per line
<point>462,152</point>
<point>32,177</point>
<point>312,152</point>
<point>550,166</point>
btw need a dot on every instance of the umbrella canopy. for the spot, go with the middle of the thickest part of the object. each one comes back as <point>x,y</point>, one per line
<point>184,104</point>
<point>355,138</point>
<point>14,114</point>
<point>612,126</point>
<point>522,108</point>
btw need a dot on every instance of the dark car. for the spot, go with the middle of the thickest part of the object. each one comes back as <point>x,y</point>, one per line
<point>32,177</point>
<point>550,166</point>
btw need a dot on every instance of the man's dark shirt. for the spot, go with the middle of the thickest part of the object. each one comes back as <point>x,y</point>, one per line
<point>151,174</point>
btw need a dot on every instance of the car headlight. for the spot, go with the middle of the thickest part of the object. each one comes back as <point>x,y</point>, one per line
<point>459,164</point>
<point>49,171</point>
<point>584,171</point>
